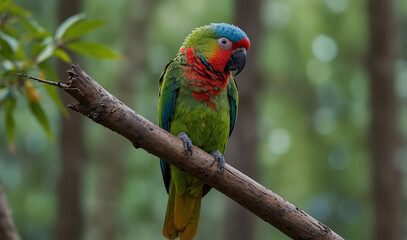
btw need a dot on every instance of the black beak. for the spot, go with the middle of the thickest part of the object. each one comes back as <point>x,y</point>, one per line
<point>237,61</point>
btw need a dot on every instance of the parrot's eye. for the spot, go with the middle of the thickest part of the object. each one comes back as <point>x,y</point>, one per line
<point>224,43</point>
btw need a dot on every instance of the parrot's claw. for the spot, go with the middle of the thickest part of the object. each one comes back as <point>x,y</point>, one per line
<point>187,142</point>
<point>220,159</point>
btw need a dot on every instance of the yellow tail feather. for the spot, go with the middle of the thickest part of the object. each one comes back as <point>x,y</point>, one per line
<point>182,217</point>
<point>169,230</point>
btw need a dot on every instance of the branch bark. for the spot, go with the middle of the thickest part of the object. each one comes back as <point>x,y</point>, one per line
<point>7,229</point>
<point>102,107</point>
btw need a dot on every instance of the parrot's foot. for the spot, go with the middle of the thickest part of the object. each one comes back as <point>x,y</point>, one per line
<point>187,142</point>
<point>220,159</point>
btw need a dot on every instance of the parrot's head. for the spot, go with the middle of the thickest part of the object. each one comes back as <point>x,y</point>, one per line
<point>220,45</point>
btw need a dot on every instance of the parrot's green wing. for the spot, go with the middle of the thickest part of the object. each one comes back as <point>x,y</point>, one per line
<point>234,102</point>
<point>168,86</point>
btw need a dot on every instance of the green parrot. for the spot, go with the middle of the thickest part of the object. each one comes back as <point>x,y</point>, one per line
<point>198,102</point>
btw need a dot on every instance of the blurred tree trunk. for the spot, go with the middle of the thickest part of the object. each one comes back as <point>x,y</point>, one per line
<point>70,216</point>
<point>242,147</point>
<point>8,230</point>
<point>384,137</point>
<point>105,220</point>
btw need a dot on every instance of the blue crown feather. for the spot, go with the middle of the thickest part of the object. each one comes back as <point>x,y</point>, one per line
<point>229,31</point>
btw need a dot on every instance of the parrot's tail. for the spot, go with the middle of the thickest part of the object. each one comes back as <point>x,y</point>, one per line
<point>182,217</point>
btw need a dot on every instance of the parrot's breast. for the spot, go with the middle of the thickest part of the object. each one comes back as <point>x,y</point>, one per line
<point>207,124</point>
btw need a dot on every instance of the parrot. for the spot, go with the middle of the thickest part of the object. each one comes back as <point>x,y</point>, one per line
<point>198,102</point>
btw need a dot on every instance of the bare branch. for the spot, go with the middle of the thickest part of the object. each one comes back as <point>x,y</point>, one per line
<point>103,108</point>
<point>58,84</point>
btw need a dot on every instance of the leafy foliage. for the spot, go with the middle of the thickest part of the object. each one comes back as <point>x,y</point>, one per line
<point>26,46</point>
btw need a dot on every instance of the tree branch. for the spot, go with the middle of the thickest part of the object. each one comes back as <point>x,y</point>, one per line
<point>7,229</point>
<point>105,109</point>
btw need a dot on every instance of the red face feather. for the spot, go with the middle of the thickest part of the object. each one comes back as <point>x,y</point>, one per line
<point>222,55</point>
<point>244,43</point>
<point>220,58</point>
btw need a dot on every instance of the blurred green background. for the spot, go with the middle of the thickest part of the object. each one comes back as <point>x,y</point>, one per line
<point>312,127</point>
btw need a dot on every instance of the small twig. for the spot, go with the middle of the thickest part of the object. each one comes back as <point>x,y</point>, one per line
<point>58,84</point>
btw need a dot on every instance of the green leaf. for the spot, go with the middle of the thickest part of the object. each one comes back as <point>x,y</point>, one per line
<point>53,94</point>
<point>4,4</point>
<point>14,46</point>
<point>5,51</point>
<point>4,93</point>
<point>18,11</point>
<point>9,46</point>
<point>20,54</point>
<point>38,112</point>
<point>51,90</point>
<point>80,28</point>
<point>12,42</point>
<point>60,32</point>
<point>7,65</point>
<point>34,28</point>
<point>10,105</point>
<point>63,55</point>
<point>48,71</point>
<point>36,48</point>
<point>45,53</point>
<point>97,50</point>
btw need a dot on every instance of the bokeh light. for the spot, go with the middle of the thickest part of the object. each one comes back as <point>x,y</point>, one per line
<point>279,141</point>
<point>348,210</point>
<point>325,121</point>
<point>338,158</point>
<point>318,72</point>
<point>320,208</point>
<point>324,48</point>
<point>337,6</point>
<point>276,15</point>
<point>35,141</point>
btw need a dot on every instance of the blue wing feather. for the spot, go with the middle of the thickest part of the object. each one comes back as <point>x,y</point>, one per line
<point>167,94</point>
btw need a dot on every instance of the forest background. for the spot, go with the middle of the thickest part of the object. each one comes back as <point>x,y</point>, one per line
<point>322,120</point>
